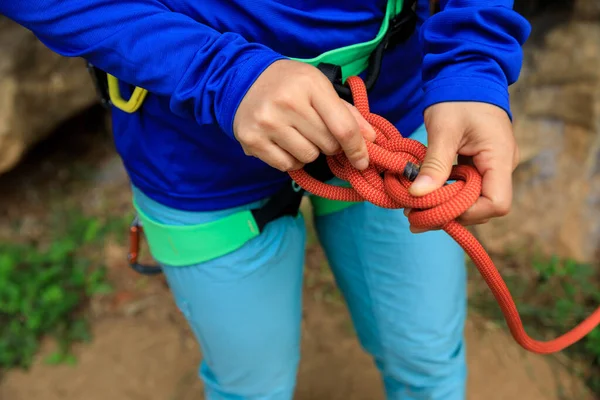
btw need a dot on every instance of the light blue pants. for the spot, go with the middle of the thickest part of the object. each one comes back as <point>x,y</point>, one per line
<point>406,294</point>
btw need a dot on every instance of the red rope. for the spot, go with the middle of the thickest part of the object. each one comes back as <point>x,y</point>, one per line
<point>389,155</point>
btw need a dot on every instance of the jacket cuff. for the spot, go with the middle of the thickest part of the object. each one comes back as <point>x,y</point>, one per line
<point>467,89</point>
<point>242,79</point>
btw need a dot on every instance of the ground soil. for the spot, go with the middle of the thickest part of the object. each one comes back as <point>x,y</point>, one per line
<point>143,349</point>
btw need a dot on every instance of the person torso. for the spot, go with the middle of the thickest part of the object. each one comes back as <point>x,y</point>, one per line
<point>197,167</point>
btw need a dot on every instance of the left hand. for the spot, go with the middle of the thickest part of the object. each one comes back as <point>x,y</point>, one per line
<point>478,131</point>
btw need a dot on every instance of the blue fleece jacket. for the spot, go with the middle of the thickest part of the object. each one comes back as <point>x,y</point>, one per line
<point>199,57</point>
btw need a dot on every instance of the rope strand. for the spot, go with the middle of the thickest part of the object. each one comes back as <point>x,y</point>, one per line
<point>389,155</point>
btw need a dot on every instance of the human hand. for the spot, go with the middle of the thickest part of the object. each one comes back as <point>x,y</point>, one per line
<point>292,113</point>
<point>480,134</point>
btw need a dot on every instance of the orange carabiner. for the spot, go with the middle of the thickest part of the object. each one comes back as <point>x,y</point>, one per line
<point>135,230</point>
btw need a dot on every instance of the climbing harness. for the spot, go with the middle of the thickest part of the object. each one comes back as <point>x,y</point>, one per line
<point>179,246</point>
<point>385,183</point>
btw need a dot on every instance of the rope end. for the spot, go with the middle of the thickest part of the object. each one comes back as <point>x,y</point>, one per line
<point>411,170</point>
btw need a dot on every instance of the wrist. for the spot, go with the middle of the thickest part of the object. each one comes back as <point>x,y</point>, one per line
<point>246,74</point>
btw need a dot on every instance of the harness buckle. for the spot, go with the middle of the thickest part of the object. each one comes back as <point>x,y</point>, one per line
<point>135,231</point>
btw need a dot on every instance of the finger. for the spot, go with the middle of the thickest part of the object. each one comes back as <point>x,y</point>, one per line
<point>422,230</point>
<point>414,229</point>
<point>311,126</point>
<point>496,196</point>
<point>299,147</point>
<point>277,157</point>
<point>516,158</point>
<point>343,125</point>
<point>366,129</point>
<point>436,167</point>
<point>470,222</point>
<point>480,211</point>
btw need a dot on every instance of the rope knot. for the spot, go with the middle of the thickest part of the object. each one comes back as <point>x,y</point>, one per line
<point>384,183</point>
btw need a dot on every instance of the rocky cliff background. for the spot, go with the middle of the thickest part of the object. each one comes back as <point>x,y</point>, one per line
<point>556,103</point>
<point>38,91</point>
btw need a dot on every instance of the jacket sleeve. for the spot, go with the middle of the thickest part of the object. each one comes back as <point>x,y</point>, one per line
<point>204,73</point>
<point>472,51</point>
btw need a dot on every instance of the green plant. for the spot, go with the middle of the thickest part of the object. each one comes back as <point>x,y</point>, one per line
<point>559,295</point>
<point>44,289</point>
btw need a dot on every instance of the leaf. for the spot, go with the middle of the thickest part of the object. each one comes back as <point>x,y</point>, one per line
<point>80,331</point>
<point>34,322</point>
<point>53,294</point>
<point>91,231</point>
<point>61,250</point>
<point>70,359</point>
<point>54,359</point>
<point>102,288</point>
<point>7,265</point>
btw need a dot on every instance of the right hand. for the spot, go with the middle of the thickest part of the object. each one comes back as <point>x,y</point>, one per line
<point>292,113</point>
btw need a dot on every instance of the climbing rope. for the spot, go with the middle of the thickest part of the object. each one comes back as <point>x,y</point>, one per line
<point>392,156</point>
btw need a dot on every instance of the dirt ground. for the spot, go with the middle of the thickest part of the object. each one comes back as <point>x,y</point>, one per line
<point>143,349</point>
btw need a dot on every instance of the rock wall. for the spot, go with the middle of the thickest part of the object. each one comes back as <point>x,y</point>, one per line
<point>587,10</point>
<point>39,90</point>
<point>556,204</point>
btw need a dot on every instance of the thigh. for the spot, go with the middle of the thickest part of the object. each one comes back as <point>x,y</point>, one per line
<point>407,297</point>
<point>245,310</point>
<point>406,294</point>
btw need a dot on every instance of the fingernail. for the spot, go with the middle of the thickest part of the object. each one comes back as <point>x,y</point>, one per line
<point>361,164</point>
<point>421,185</point>
<point>406,212</point>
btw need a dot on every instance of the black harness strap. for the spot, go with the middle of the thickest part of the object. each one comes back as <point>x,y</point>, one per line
<point>100,81</point>
<point>401,28</point>
<point>287,200</point>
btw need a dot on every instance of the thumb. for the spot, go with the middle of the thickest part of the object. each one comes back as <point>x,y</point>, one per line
<point>437,165</point>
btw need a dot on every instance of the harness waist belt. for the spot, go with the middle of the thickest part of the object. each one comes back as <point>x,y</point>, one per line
<point>193,244</point>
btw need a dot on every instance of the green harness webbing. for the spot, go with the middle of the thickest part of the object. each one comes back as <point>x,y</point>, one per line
<point>354,59</point>
<point>186,245</point>
<point>193,244</point>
